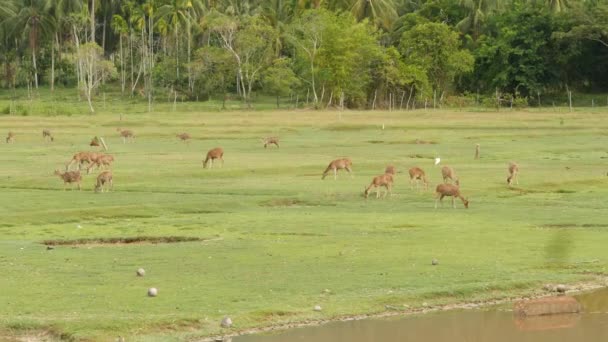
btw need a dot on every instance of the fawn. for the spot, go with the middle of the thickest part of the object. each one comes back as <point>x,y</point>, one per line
<point>69,177</point>
<point>46,135</point>
<point>126,134</point>
<point>270,140</point>
<point>385,180</point>
<point>452,190</point>
<point>103,179</point>
<point>513,172</point>
<point>416,175</point>
<point>448,172</point>
<point>10,138</point>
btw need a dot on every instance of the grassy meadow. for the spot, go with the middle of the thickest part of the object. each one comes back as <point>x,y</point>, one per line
<point>276,239</point>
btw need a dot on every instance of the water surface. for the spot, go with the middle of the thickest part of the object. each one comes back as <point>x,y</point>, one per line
<point>489,324</point>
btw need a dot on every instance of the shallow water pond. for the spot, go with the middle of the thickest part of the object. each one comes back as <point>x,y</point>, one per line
<point>488,324</point>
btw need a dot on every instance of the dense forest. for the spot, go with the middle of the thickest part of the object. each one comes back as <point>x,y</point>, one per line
<point>346,53</point>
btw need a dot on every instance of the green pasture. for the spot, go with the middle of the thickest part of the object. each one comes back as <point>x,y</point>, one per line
<point>276,239</point>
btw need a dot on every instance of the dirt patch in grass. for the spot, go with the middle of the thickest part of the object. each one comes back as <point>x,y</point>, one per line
<point>574,225</point>
<point>420,156</point>
<point>291,202</point>
<point>422,142</point>
<point>121,240</point>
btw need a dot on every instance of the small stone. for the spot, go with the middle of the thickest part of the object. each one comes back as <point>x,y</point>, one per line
<point>434,262</point>
<point>226,322</point>
<point>152,292</point>
<point>318,308</point>
<point>425,304</point>
<point>549,287</point>
<point>561,288</point>
<point>141,272</point>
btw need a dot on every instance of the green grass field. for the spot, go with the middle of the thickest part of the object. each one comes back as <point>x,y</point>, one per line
<point>275,236</point>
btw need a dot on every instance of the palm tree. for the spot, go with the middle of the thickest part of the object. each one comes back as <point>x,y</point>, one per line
<point>35,21</point>
<point>60,10</point>
<point>381,12</point>
<point>478,11</point>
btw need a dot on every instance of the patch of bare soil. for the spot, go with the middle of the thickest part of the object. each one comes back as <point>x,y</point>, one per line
<point>121,240</point>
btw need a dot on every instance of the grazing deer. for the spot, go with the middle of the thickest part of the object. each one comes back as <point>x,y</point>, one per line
<point>416,175</point>
<point>103,179</point>
<point>10,138</point>
<point>452,190</point>
<point>46,135</point>
<point>100,160</point>
<point>385,180</point>
<point>513,172</point>
<point>126,134</point>
<point>81,158</point>
<point>270,140</point>
<point>185,137</point>
<point>448,172</point>
<point>338,164</point>
<point>215,153</point>
<point>69,177</point>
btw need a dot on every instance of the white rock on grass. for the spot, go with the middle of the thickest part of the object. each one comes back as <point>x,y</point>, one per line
<point>152,292</point>
<point>434,262</point>
<point>141,272</point>
<point>317,308</point>
<point>226,322</point>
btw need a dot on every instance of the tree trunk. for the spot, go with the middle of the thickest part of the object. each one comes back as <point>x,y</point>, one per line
<point>35,67</point>
<point>123,76</point>
<point>103,37</point>
<point>53,65</point>
<point>93,21</point>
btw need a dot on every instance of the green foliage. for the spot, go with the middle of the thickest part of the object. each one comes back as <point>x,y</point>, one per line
<point>279,79</point>
<point>436,49</point>
<point>214,71</point>
<point>515,56</point>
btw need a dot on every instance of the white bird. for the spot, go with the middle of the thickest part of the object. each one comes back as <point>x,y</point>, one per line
<point>437,161</point>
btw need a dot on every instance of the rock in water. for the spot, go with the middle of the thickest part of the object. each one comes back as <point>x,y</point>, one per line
<point>152,292</point>
<point>547,306</point>
<point>141,272</point>
<point>226,322</point>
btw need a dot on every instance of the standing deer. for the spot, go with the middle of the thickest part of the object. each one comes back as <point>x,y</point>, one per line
<point>103,179</point>
<point>46,135</point>
<point>185,137</point>
<point>513,172</point>
<point>270,140</point>
<point>338,164</point>
<point>81,158</point>
<point>215,153</point>
<point>448,173</point>
<point>452,190</point>
<point>100,160</point>
<point>69,177</point>
<point>126,134</point>
<point>416,175</point>
<point>10,138</point>
<point>385,180</point>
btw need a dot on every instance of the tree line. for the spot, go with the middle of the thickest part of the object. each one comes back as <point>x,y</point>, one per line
<point>346,53</point>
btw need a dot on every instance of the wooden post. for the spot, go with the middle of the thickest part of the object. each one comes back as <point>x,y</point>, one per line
<point>390,102</point>
<point>434,98</point>
<point>570,99</point>
<point>103,143</point>
<point>477,151</point>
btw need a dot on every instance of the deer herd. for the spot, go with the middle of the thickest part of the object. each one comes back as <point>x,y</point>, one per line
<point>104,182</point>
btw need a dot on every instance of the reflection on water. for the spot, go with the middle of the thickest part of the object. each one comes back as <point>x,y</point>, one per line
<point>462,326</point>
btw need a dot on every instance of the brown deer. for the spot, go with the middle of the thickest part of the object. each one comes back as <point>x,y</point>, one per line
<point>452,190</point>
<point>215,153</point>
<point>338,164</point>
<point>69,177</point>
<point>448,173</point>
<point>270,140</point>
<point>385,180</point>
<point>100,160</point>
<point>185,137</point>
<point>10,138</point>
<point>81,158</point>
<point>513,172</point>
<point>126,134</point>
<point>46,135</point>
<point>416,175</point>
<point>104,179</point>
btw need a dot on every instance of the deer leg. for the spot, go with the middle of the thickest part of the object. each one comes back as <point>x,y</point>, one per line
<point>350,172</point>
<point>335,173</point>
